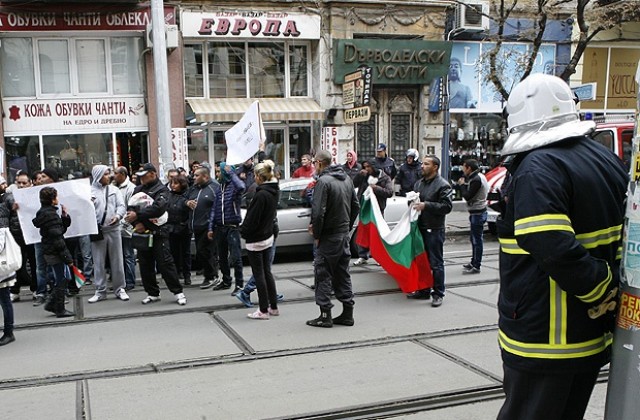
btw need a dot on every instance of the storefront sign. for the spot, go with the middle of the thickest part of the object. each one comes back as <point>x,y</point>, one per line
<point>357,88</point>
<point>250,25</point>
<point>180,147</point>
<point>330,143</point>
<point>613,69</point>
<point>586,92</point>
<point>356,115</point>
<point>392,61</point>
<point>78,18</point>
<point>74,115</point>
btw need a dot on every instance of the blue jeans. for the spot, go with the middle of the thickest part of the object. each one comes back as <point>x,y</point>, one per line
<point>477,221</point>
<point>129,258</point>
<point>60,272</point>
<point>434,244</point>
<point>251,284</point>
<point>42,277</point>
<point>229,253</point>
<point>7,309</point>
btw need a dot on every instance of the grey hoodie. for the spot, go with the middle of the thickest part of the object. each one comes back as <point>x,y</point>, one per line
<point>115,203</point>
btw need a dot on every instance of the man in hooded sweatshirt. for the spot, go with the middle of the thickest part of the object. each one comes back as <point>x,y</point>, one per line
<point>110,209</point>
<point>224,226</point>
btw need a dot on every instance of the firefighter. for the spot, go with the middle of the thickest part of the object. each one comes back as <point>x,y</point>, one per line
<point>560,238</point>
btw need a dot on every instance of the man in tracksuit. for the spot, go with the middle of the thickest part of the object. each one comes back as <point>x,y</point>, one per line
<point>560,236</point>
<point>474,188</point>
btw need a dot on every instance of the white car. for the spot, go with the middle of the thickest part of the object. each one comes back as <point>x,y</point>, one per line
<point>294,214</point>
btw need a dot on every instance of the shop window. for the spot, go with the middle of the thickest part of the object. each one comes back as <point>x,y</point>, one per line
<point>266,70</point>
<point>17,67</point>
<point>72,66</point>
<point>125,53</point>
<point>299,144</point>
<point>23,154</point>
<point>225,69</point>
<point>274,149</point>
<point>69,154</point>
<point>193,71</point>
<point>92,65</point>
<point>53,57</point>
<point>298,70</point>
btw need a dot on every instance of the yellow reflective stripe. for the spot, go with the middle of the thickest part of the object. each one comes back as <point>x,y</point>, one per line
<point>510,246</point>
<point>600,237</point>
<point>554,351</point>
<point>619,253</point>
<point>598,291</point>
<point>542,223</point>
<point>557,314</point>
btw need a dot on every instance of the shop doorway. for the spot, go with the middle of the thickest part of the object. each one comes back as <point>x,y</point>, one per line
<point>132,150</point>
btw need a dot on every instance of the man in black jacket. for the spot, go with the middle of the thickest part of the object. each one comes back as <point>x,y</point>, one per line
<point>333,212</point>
<point>159,254</point>
<point>200,199</point>
<point>435,203</point>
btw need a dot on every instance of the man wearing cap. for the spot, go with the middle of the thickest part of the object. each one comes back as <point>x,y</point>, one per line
<point>382,186</point>
<point>384,162</point>
<point>159,255</point>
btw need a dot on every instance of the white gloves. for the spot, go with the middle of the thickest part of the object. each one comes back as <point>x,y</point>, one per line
<point>372,180</point>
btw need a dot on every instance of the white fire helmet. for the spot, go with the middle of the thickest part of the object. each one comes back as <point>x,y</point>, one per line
<point>414,153</point>
<point>539,97</point>
<point>542,111</point>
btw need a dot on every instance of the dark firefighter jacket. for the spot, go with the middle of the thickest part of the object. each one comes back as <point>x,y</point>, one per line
<point>560,250</point>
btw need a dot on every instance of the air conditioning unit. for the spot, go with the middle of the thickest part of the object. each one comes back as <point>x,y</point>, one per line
<point>170,35</point>
<point>473,16</point>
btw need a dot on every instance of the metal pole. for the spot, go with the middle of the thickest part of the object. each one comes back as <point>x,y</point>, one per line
<point>622,391</point>
<point>161,80</point>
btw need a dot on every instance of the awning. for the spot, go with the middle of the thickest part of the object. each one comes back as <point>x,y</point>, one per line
<point>271,109</point>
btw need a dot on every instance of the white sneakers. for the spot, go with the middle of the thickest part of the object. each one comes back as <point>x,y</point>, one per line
<point>14,297</point>
<point>122,295</point>
<point>96,298</point>
<point>181,298</point>
<point>361,261</point>
<point>150,299</point>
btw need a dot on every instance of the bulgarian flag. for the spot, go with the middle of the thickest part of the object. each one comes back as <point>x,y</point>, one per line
<point>78,277</point>
<point>399,251</point>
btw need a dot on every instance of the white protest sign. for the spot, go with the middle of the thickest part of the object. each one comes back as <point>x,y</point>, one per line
<point>246,137</point>
<point>75,195</point>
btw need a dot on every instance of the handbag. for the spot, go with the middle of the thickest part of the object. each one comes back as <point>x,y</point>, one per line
<point>100,235</point>
<point>10,254</point>
<point>68,153</point>
<point>142,241</point>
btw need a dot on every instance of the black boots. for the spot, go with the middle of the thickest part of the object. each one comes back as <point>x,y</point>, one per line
<point>324,320</point>
<point>50,303</point>
<point>346,317</point>
<point>58,299</point>
<point>6,339</point>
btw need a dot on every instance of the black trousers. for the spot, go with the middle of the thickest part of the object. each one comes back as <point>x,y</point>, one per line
<point>540,396</point>
<point>206,254</point>
<point>332,270</point>
<point>159,255</point>
<point>261,268</point>
<point>24,277</point>
<point>180,244</point>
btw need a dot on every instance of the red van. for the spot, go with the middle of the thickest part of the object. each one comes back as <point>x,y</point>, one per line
<point>615,136</point>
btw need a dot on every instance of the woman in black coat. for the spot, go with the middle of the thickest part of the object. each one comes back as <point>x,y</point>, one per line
<point>179,232</point>
<point>257,230</point>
